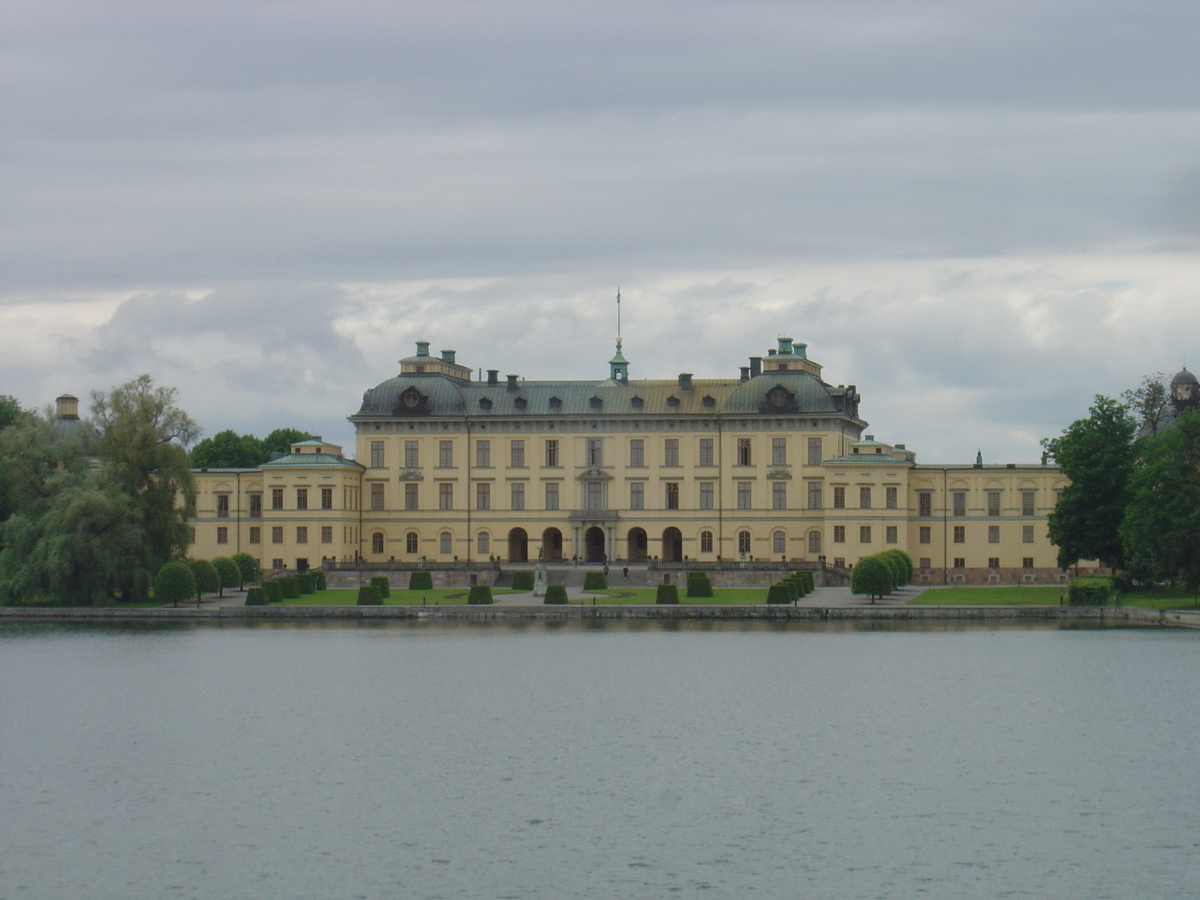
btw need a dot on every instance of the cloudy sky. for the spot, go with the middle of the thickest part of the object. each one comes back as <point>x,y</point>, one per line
<point>980,213</point>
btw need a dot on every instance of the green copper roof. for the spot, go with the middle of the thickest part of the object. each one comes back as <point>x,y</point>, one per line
<point>311,460</point>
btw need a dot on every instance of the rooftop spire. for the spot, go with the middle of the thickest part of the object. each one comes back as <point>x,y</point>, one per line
<point>618,368</point>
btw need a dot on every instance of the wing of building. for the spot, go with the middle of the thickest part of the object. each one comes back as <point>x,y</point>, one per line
<point>773,464</point>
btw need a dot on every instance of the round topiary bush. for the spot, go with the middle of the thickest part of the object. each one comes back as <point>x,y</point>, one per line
<point>368,595</point>
<point>289,588</point>
<point>667,593</point>
<point>256,596</point>
<point>594,581</point>
<point>480,594</point>
<point>274,591</point>
<point>247,567</point>
<point>228,575</point>
<point>174,582</point>
<point>304,584</point>
<point>380,583</point>
<point>522,581</point>
<point>556,593</point>
<point>420,580</point>
<point>207,580</point>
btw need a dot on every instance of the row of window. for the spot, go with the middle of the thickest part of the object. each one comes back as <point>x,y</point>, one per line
<point>483,542</point>
<point>594,452</point>
<point>255,498</point>
<point>255,534</point>
<point>925,534</point>
<point>958,502</point>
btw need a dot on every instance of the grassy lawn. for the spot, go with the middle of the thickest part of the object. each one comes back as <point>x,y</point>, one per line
<point>1163,598</point>
<point>397,597</point>
<point>649,595</point>
<point>1041,595</point>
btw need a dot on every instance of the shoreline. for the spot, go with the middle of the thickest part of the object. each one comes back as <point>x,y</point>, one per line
<point>1085,615</point>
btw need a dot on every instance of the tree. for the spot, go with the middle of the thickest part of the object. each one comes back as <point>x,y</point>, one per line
<point>227,574</point>
<point>1161,530</point>
<point>10,409</point>
<point>871,576</point>
<point>247,568</point>
<point>141,440</point>
<point>1150,403</point>
<point>281,439</point>
<point>228,450</point>
<point>207,579</point>
<point>1097,455</point>
<point>174,582</point>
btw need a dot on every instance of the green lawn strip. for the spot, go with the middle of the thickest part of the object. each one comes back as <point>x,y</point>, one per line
<point>648,595</point>
<point>397,597</point>
<point>1163,598</point>
<point>1039,595</point>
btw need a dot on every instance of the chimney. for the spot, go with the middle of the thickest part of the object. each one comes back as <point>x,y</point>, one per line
<point>771,352</point>
<point>67,407</point>
<point>512,384</point>
<point>685,381</point>
<point>422,348</point>
<point>745,373</point>
<point>800,350</point>
<point>448,356</point>
<point>493,376</point>
<point>755,366</point>
<point>785,346</point>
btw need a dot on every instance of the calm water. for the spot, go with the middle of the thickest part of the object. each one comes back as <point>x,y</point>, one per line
<point>448,762</point>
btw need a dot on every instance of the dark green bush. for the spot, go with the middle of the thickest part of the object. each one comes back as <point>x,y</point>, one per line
<point>207,580</point>
<point>872,576</point>
<point>274,590</point>
<point>906,565</point>
<point>247,567</point>
<point>667,593</point>
<point>480,594</point>
<point>522,581</point>
<point>174,582</point>
<point>420,580</point>
<point>556,593</point>
<point>1090,590</point>
<point>779,593</point>
<point>698,585</point>
<point>380,583</point>
<point>304,584</point>
<point>289,588</point>
<point>368,595</point>
<point>256,596</point>
<point>318,579</point>
<point>228,575</point>
<point>594,581</point>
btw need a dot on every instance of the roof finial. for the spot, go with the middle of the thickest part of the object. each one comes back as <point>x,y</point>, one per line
<point>618,317</point>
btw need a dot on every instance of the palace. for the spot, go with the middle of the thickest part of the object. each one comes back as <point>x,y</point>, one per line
<point>773,464</point>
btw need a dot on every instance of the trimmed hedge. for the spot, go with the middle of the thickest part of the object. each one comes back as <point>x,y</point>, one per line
<point>420,580</point>
<point>522,581</point>
<point>667,593</point>
<point>368,595</point>
<point>480,594</point>
<point>274,591</point>
<point>594,581</point>
<point>319,579</point>
<point>556,593</point>
<point>779,593</point>
<point>256,596</point>
<point>304,584</point>
<point>698,585</point>
<point>289,587</point>
<point>380,583</point>
<point>1090,590</point>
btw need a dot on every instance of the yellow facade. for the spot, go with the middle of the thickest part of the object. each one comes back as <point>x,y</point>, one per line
<point>769,465</point>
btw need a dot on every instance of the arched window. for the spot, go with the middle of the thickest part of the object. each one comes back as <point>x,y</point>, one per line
<point>743,542</point>
<point>778,542</point>
<point>814,542</point>
<point>410,542</point>
<point>706,542</point>
<point>445,543</point>
<point>483,543</point>
<point>377,542</point>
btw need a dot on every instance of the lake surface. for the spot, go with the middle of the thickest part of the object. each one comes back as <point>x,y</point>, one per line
<point>429,761</point>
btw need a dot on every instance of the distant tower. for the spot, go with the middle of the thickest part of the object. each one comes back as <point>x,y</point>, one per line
<point>1185,392</point>
<point>618,367</point>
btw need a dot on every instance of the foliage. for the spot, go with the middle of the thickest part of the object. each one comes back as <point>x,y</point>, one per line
<point>256,596</point>
<point>1161,530</point>
<point>280,440</point>
<point>1097,455</point>
<point>480,594</point>
<point>174,582</point>
<point>228,574</point>
<point>1090,591</point>
<point>288,587</point>
<point>368,595</point>
<point>207,579</point>
<point>10,410</point>
<point>247,567</point>
<point>420,580</point>
<point>274,590</point>
<point>594,581</point>
<point>667,593</point>
<point>230,450</point>
<point>522,581</point>
<point>872,576</point>
<point>141,435</point>
<point>319,579</point>
<point>698,584</point>
<point>556,593</point>
<point>1150,402</point>
<point>304,584</point>
<point>779,593</point>
<point>380,583</point>
<point>905,565</point>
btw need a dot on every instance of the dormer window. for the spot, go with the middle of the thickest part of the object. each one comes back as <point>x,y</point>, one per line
<point>555,403</point>
<point>637,402</point>
<point>485,403</point>
<point>595,403</point>
<point>709,402</point>
<point>520,403</point>
<point>672,401</point>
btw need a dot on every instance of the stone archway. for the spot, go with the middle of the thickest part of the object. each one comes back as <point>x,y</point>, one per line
<point>636,544</point>
<point>552,545</point>
<point>672,545</point>
<point>518,545</point>
<point>593,543</point>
